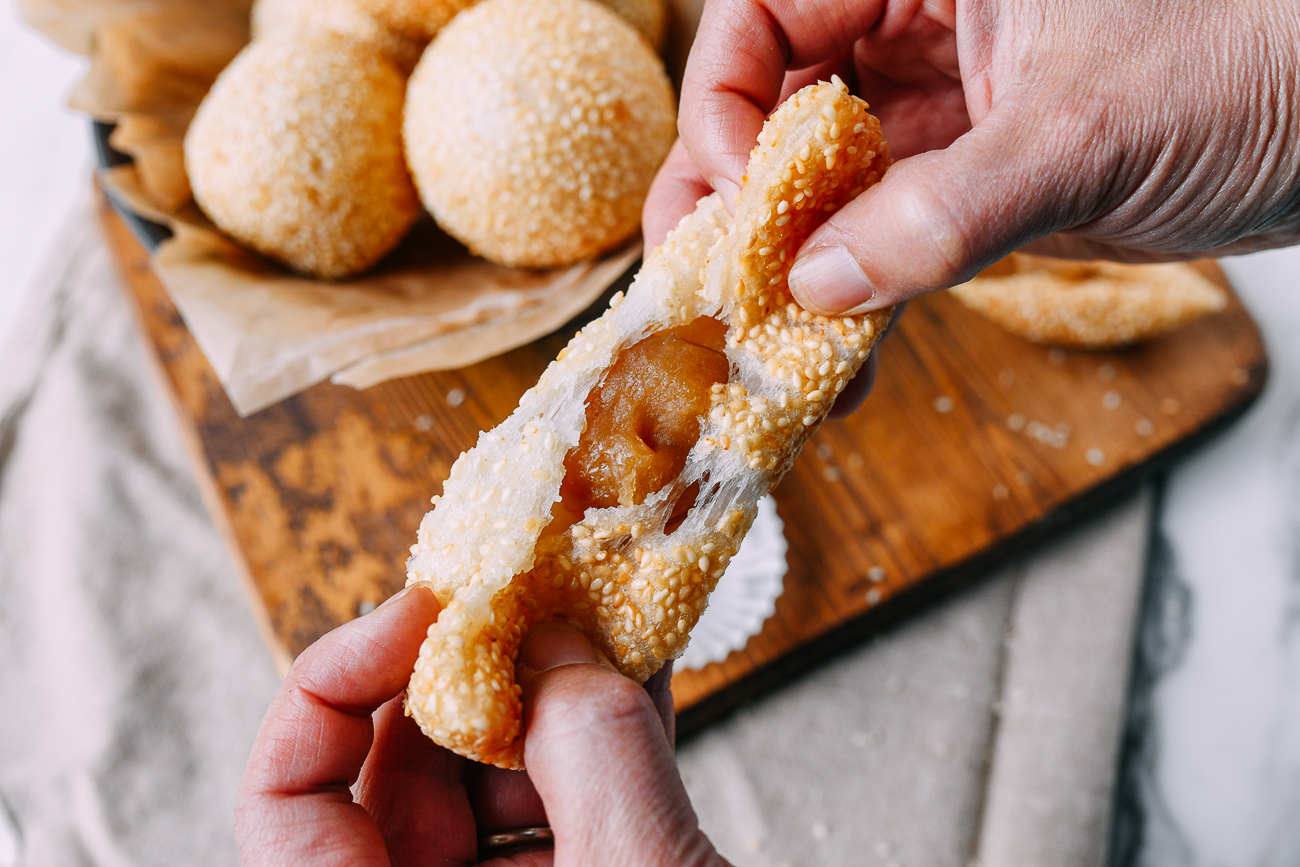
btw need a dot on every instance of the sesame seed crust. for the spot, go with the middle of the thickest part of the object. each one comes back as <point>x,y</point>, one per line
<point>1089,305</point>
<point>542,152</point>
<point>296,152</point>
<point>489,548</point>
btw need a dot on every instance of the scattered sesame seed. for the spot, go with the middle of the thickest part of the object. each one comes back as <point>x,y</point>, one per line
<point>1015,422</point>
<point>1144,427</point>
<point>943,404</point>
<point>1110,400</point>
<point>455,397</point>
<point>423,422</point>
<point>1106,372</point>
<point>876,574</point>
<point>1001,492</point>
<point>1096,457</point>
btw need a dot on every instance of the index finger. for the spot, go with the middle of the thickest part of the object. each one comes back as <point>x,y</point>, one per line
<point>295,802</point>
<point>738,63</point>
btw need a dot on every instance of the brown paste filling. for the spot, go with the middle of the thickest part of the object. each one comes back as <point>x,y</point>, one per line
<point>643,420</point>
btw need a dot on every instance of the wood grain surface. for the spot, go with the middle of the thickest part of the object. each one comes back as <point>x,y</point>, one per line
<point>973,444</point>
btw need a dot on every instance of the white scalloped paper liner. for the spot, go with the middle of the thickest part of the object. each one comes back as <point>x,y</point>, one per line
<point>745,596</point>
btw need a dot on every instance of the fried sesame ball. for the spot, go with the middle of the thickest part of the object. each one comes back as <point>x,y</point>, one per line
<point>296,152</point>
<point>415,19</point>
<point>293,18</point>
<point>534,128</point>
<point>649,17</point>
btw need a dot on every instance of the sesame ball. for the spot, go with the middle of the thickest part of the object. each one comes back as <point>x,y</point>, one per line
<point>649,17</point>
<point>534,128</point>
<point>296,152</point>
<point>293,18</point>
<point>415,19</point>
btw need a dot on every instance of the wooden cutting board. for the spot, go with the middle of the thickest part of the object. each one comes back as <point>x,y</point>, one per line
<point>973,444</point>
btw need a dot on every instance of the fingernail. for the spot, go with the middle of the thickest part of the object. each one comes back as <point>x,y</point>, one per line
<point>405,592</point>
<point>727,190</point>
<point>830,279</point>
<point>552,645</point>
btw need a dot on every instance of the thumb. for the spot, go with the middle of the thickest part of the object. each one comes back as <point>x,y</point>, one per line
<point>935,220</point>
<point>597,753</point>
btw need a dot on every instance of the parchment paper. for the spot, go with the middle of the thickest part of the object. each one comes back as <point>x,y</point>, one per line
<point>270,333</point>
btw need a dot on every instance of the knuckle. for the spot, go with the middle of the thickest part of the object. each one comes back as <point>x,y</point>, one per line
<point>601,701</point>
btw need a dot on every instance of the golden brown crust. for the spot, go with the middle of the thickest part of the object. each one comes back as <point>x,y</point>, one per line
<point>297,152</point>
<point>534,128</point>
<point>1089,305</point>
<point>634,586</point>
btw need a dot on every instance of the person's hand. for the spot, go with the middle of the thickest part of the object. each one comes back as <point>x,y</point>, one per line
<point>1148,130</point>
<point>339,775</point>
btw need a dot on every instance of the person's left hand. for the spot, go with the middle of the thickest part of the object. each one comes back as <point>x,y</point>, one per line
<point>339,775</point>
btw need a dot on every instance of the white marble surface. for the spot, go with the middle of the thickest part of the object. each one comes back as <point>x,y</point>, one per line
<point>45,154</point>
<point>1214,777</point>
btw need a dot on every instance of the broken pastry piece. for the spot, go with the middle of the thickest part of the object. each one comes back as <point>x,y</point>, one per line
<point>616,494</point>
<point>1089,305</point>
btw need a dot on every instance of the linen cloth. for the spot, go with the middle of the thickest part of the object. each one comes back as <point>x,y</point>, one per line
<point>132,677</point>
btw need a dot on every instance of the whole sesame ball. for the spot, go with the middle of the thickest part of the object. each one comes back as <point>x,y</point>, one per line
<point>534,129</point>
<point>293,18</point>
<point>649,17</point>
<point>297,152</point>
<point>414,19</point>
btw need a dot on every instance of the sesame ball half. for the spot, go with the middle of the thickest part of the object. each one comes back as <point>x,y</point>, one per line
<point>297,152</point>
<point>534,128</point>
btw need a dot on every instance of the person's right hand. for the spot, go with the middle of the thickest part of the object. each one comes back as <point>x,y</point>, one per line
<point>1143,130</point>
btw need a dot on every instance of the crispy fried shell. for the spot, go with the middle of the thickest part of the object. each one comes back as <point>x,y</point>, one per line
<point>1089,305</point>
<point>532,526</point>
<point>296,151</point>
<point>534,129</point>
